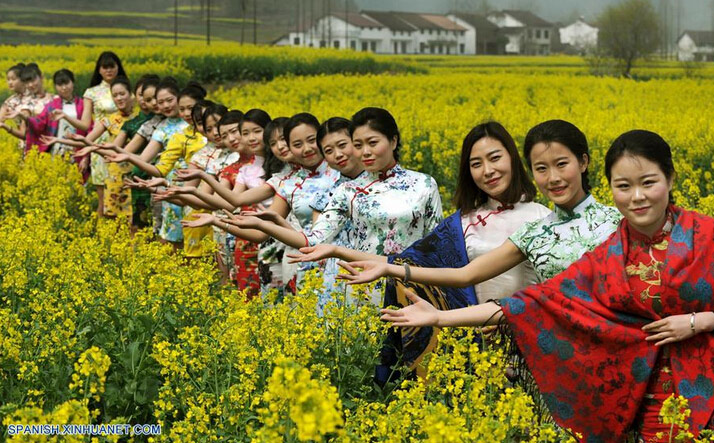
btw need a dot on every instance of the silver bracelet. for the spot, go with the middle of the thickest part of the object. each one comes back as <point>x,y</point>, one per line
<point>407,273</point>
<point>691,322</point>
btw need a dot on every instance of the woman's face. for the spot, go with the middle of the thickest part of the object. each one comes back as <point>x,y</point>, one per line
<point>303,145</point>
<point>231,137</point>
<point>280,147</point>
<point>167,103</point>
<point>123,99</point>
<point>14,83</point>
<point>65,90</point>
<point>340,154</point>
<point>139,94</point>
<point>375,149</point>
<point>252,135</point>
<point>557,172</point>
<point>490,166</point>
<point>641,192</point>
<point>109,72</point>
<point>185,105</point>
<point>211,128</point>
<point>149,98</point>
<point>34,85</point>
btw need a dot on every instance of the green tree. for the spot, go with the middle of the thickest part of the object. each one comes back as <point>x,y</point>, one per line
<point>629,31</point>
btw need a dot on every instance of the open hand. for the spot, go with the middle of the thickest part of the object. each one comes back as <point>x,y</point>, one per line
<point>188,174</point>
<point>670,329</point>
<point>243,221</point>
<point>419,313</point>
<point>313,253</point>
<point>116,157</point>
<point>57,114</point>
<point>48,140</point>
<point>199,219</point>
<point>371,271</point>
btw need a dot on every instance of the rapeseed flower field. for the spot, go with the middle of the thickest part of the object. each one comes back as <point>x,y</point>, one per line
<point>103,327</point>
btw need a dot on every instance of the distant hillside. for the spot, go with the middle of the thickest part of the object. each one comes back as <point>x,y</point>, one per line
<point>69,21</point>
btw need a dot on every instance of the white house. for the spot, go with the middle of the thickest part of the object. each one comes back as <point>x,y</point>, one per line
<point>696,46</point>
<point>481,36</point>
<point>580,35</point>
<point>386,32</point>
<point>526,32</point>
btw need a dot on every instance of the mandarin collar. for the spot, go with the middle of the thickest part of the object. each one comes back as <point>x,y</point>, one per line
<point>577,211</point>
<point>637,236</point>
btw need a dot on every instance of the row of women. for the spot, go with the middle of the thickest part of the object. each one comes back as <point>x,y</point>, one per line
<point>611,308</point>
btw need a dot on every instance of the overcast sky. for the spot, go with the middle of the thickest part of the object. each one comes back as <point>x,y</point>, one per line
<point>695,14</point>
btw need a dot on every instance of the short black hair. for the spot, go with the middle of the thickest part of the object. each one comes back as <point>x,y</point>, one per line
<point>559,131</point>
<point>62,77</point>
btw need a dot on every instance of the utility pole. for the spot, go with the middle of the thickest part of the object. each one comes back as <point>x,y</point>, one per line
<point>175,22</point>
<point>255,22</point>
<point>208,23</point>
<point>329,24</point>
<point>346,26</point>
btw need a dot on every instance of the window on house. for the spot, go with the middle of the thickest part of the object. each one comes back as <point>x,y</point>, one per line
<point>396,47</point>
<point>365,46</point>
<point>323,43</point>
<point>373,46</point>
<point>353,44</point>
<point>546,34</point>
<point>336,44</point>
<point>462,48</point>
<point>296,41</point>
<point>537,33</point>
<point>404,47</point>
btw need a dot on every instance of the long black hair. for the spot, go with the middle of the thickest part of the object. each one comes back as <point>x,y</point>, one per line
<point>468,196</point>
<point>106,59</point>
<point>273,164</point>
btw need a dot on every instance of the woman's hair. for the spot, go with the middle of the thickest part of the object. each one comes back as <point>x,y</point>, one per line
<point>468,196</point>
<point>194,90</point>
<point>379,120</point>
<point>147,80</point>
<point>645,144</point>
<point>213,109</point>
<point>257,116</point>
<point>231,117</point>
<point>62,77</point>
<point>303,118</point>
<point>121,80</point>
<point>106,59</point>
<point>197,111</point>
<point>170,84</point>
<point>30,72</point>
<point>272,163</point>
<point>333,124</point>
<point>16,69</point>
<point>560,131</point>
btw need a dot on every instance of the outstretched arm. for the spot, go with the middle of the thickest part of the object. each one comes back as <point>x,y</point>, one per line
<point>423,313</point>
<point>481,269</point>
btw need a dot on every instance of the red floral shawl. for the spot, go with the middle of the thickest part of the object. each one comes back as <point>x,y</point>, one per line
<point>580,333</point>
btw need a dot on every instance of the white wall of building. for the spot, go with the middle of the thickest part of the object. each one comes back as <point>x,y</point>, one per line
<point>580,35</point>
<point>470,37</point>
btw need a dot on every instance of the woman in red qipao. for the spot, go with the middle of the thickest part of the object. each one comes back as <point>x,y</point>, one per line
<point>627,325</point>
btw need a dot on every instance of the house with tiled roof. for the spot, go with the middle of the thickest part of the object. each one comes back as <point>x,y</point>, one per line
<point>482,36</point>
<point>578,37</point>
<point>526,32</point>
<point>696,46</point>
<point>387,32</point>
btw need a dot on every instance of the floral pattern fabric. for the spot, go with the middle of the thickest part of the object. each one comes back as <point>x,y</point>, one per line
<point>485,229</point>
<point>117,199</point>
<point>388,211</point>
<point>582,339</point>
<point>11,104</point>
<point>551,244</point>
<point>102,106</point>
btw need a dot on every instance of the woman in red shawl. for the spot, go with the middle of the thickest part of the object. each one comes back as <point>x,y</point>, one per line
<point>627,325</point>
